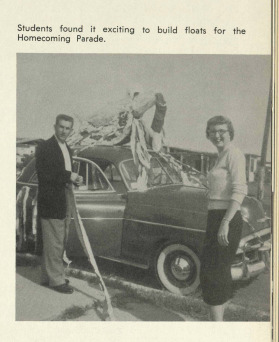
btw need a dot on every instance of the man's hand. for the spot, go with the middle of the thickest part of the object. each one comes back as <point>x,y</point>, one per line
<point>223,233</point>
<point>74,177</point>
<point>79,180</point>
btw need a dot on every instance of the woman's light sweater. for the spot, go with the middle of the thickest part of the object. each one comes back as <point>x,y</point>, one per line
<point>227,179</point>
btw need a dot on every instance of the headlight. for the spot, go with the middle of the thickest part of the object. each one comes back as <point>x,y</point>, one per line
<point>266,221</point>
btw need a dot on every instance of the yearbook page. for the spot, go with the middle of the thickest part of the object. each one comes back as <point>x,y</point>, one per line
<point>138,170</point>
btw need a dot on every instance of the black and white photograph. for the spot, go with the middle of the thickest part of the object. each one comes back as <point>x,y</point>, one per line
<point>143,187</point>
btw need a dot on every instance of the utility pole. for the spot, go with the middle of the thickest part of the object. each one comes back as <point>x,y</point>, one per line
<point>260,194</point>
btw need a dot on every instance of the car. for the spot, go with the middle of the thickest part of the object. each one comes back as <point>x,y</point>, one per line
<point>161,227</point>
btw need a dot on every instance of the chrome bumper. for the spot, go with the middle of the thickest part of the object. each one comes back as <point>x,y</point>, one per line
<point>246,269</point>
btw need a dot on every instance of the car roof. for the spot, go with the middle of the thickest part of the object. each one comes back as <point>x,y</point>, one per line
<point>115,154</point>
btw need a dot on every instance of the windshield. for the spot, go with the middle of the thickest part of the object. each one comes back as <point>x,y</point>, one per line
<point>162,172</point>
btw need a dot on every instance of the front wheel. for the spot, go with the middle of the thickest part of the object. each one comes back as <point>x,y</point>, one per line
<point>178,269</point>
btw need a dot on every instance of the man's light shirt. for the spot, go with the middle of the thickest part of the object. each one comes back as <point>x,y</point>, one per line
<point>66,155</point>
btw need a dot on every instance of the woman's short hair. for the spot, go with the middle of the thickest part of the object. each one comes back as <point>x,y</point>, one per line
<point>65,117</point>
<point>220,120</point>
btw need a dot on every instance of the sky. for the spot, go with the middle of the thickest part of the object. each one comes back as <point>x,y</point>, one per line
<point>196,87</point>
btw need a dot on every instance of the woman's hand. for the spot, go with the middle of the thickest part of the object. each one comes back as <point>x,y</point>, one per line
<point>223,233</point>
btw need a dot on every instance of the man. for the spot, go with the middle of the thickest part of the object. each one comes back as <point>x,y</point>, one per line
<point>55,176</point>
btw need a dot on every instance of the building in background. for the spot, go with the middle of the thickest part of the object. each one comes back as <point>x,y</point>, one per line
<point>204,161</point>
<point>25,150</point>
<point>22,149</point>
<point>201,161</point>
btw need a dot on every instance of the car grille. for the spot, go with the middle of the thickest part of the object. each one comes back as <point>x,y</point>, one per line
<point>251,253</point>
<point>256,240</point>
<point>251,256</point>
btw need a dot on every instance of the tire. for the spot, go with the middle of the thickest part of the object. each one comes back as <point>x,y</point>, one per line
<point>169,263</point>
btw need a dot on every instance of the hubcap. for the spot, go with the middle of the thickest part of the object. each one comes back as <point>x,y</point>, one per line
<point>178,269</point>
<point>181,268</point>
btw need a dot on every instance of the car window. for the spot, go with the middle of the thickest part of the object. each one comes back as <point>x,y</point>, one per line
<point>161,172</point>
<point>183,172</point>
<point>27,173</point>
<point>93,177</point>
<point>157,175</point>
<point>172,173</point>
<point>112,174</point>
<point>34,178</point>
<point>129,172</point>
<point>114,178</point>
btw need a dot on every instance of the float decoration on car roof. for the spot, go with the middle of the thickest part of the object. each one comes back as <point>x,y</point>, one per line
<point>120,123</point>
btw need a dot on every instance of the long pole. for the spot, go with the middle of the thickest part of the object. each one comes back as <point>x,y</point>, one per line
<point>260,194</point>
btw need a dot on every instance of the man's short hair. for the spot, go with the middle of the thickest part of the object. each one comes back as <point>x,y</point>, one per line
<point>64,117</point>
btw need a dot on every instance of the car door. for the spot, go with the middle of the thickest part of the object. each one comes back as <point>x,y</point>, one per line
<point>101,209</point>
<point>167,210</point>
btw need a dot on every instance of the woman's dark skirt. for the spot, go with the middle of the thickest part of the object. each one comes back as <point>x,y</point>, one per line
<point>216,260</point>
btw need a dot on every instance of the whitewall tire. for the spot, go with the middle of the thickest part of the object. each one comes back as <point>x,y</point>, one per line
<point>178,269</point>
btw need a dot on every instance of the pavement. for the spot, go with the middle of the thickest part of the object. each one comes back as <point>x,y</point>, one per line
<point>255,293</point>
<point>130,301</point>
<point>38,303</point>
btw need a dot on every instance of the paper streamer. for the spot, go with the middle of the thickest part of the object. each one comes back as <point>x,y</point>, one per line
<point>88,251</point>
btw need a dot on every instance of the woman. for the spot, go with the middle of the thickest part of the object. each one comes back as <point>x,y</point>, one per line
<point>227,189</point>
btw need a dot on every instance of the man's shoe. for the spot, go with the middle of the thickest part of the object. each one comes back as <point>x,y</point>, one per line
<point>64,288</point>
<point>46,283</point>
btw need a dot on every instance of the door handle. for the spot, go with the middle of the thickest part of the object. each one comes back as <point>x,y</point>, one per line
<point>124,196</point>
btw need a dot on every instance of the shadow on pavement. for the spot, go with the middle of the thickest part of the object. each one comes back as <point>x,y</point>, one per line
<point>36,302</point>
<point>143,310</point>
